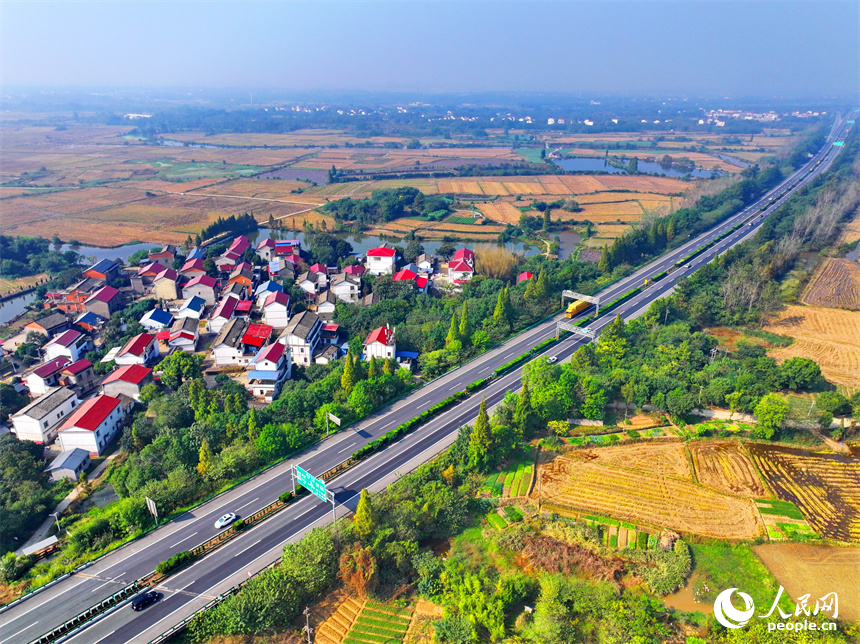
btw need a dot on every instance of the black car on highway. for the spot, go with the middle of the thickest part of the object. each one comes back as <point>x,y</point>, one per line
<point>142,601</point>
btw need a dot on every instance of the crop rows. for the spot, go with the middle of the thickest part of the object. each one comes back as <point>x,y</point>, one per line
<point>379,623</point>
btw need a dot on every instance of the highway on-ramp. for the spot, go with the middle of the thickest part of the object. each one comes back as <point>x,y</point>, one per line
<point>259,546</point>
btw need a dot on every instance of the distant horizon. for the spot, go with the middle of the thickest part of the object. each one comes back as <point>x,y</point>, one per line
<point>719,50</point>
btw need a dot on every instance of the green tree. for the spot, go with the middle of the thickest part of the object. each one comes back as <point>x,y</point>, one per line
<point>365,520</point>
<point>372,368</point>
<point>603,265</point>
<point>503,313</point>
<point>348,378</point>
<point>481,439</point>
<point>205,459</point>
<point>389,367</point>
<point>833,402</point>
<point>770,412</point>
<point>179,367</point>
<point>524,415</point>
<point>253,428</point>
<point>799,373</point>
<point>453,330</point>
<point>464,330</point>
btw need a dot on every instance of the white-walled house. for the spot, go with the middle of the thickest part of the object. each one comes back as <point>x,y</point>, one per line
<point>156,320</point>
<point>227,348</point>
<point>141,349</point>
<point>302,336</point>
<point>40,420</point>
<point>72,344</point>
<point>346,287</point>
<point>264,290</point>
<point>42,378</point>
<point>380,261</point>
<point>222,314</point>
<point>380,344</point>
<point>268,370</point>
<point>193,307</point>
<point>93,425</point>
<point>184,334</point>
<point>276,310</point>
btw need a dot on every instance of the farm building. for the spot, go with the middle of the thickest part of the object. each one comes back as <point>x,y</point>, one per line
<point>45,376</point>
<point>193,307</point>
<point>227,348</point>
<point>222,314</point>
<point>184,334</point>
<point>276,309</point>
<point>204,287</point>
<point>164,286</point>
<point>268,370</point>
<point>79,377</point>
<point>104,302</point>
<point>192,268</point>
<point>302,336</point>
<point>156,319</point>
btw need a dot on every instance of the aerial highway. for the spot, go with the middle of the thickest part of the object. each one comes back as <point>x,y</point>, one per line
<point>194,586</point>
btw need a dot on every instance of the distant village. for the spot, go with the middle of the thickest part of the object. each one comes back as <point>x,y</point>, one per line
<point>241,322</point>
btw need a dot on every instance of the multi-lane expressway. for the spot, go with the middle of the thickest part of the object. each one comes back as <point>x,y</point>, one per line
<point>194,586</point>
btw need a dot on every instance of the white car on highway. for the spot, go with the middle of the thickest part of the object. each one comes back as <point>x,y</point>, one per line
<point>552,359</point>
<point>226,520</point>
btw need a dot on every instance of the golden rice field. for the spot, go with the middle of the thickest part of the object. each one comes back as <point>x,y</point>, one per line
<point>828,336</point>
<point>503,212</point>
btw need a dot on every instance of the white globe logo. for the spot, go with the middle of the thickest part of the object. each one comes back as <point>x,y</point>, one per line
<point>724,611</point>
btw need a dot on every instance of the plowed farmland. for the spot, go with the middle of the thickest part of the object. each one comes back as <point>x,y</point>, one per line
<point>836,284</point>
<point>826,487</point>
<point>725,467</point>
<point>828,336</point>
<point>661,459</point>
<point>502,212</point>
<point>645,498</point>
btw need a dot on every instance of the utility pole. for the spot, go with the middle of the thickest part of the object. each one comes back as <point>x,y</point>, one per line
<point>57,518</point>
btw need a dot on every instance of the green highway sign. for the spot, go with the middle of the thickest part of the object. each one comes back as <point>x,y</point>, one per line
<point>315,485</point>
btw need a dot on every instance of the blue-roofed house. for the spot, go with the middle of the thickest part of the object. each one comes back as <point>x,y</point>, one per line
<point>195,253</point>
<point>406,358</point>
<point>193,307</point>
<point>156,320</point>
<point>105,270</point>
<point>89,321</point>
<point>268,371</point>
<point>263,291</point>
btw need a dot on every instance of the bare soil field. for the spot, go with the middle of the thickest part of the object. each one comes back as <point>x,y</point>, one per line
<point>645,498</point>
<point>836,284</point>
<point>826,487</point>
<point>851,230</point>
<point>817,570</point>
<point>727,468</point>
<point>828,336</point>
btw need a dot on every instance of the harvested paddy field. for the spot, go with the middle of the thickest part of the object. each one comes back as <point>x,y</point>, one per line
<point>502,212</point>
<point>645,497</point>
<point>826,487</point>
<point>828,336</point>
<point>661,459</point>
<point>836,284</point>
<point>817,570</point>
<point>726,467</point>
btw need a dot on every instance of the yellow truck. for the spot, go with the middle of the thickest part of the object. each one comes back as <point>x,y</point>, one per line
<point>576,307</point>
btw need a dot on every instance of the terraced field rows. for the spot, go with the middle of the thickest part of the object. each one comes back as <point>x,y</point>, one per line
<point>379,623</point>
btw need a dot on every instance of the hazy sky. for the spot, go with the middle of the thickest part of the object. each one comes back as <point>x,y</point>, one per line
<point>712,48</point>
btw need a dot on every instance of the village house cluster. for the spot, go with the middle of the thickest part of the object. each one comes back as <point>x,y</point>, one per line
<point>239,317</point>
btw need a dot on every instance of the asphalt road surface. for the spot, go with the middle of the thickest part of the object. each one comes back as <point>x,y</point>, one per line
<point>256,548</point>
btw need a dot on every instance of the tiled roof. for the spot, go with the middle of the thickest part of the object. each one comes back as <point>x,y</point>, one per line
<point>266,243</point>
<point>302,324</point>
<point>167,274</point>
<point>273,352</point>
<point>66,338</point>
<point>91,413</point>
<point>461,266</point>
<point>525,275</point>
<point>292,259</point>
<point>404,275</point>
<point>382,334</point>
<point>151,269</point>
<point>104,266</point>
<point>77,367</point>
<point>355,269</point>
<point>203,280</point>
<point>137,345</point>
<point>278,297</point>
<point>465,254</point>
<point>50,321</point>
<point>51,367</point>
<point>133,373</point>
<point>231,333</point>
<point>318,268</point>
<point>381,252</point>
<point>44,405</point>
<point>104,294</point>
<point>185,324</point>
<point>226,308</point>
<point>192,265</point>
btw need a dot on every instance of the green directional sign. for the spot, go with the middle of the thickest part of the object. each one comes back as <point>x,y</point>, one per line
<point>315,485</point>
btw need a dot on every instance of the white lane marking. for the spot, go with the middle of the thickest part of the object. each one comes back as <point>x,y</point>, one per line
<point>109,581</point>
<point>346,448</point>
<point>247,548</point>
<point>181,540</point>
<point>19,632</point>
<point>206,592</point>
<point>248,503</point>
<point>48,599</point>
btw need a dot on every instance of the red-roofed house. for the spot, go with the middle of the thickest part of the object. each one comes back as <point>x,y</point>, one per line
<point>204,287</point>
<point>71,344</point>
<point>104,302</point>
<point>268,370</point>
<point>525,275</point>
<point>45,376</point>
<point>257,335</point>
<point>93,425</point>
<point>265,248</point>
<point>380,344</point>
<point>239,245</point>
<point>192,268</point>
<point>165,254</point>
<point>459,271</point>
<point>184,334</point>
<point>318,268</point>
<point>164,285</point>
<point>356,269</point>
<point>243,308</point>
<point>276,309</point>
<point>407,275</point>
<point>79,377</point>
<point>243,274</point>
<point>423,283</point>
<point>128,380</point>
<point>222,314</point>
<point>466,255</point>
<point>380,261</point>
<point>287,247</point>
<point>141,349</point>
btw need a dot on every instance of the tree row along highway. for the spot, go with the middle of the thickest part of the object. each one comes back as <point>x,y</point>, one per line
<point>253,550</point>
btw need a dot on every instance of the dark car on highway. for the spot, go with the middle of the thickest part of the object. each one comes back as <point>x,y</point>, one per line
<point>142,601</point>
